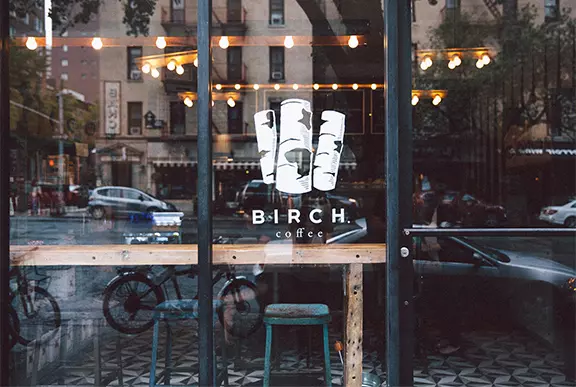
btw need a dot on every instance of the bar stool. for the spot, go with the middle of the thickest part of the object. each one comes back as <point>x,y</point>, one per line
<point>180,310</point>
<point>296,314</point>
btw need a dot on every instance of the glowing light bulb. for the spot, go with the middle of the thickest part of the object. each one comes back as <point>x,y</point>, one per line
<point>415,100</point>
<point>171,65</point>
<point>288,42</point>
<point>256,86</point>
<point>146,68</point>
<point>479,63</point>
<point>295,86</point>
<point>457,61</point>
<point>355,86</point>
<point>237,86</point>
<point>373,86</point>
<point>334,86</point>
<point>231,102</point>
<point>155,73</point>
<point>451,65</point>
<point>353,41</point>
<point>316,86</point>
<point>218,86</point>
<point>212,103</point>
<point>97,43</point>
<point>423,66</point>
<point>224,43</point>
<point>436,101</point>
<point>276,87</point>
<point>31,43</point>
<point>428,61</point>
<point>188,102</point>
<point>196,62</point>
<point>161,42</point>
<point>486,59</point>
<point>179,70</point>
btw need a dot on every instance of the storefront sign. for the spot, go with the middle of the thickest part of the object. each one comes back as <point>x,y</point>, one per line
<point>541,151</point>
<point>112,107</point>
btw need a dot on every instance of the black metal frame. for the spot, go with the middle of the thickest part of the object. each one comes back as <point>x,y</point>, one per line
<point>499,232</point>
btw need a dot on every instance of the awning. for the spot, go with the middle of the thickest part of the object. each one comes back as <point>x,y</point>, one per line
<point>231,165</point>
<point>175,163</point>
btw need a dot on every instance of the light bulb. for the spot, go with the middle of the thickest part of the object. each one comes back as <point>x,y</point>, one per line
<point>355,86</point>
<point>146,68</point>
<point>196,62</point>
<point>295,86</point>
<point>423,66</point>
<point>218,86</point>
<point>437,99</point>
<point>179,70</point>
<point>224,43</point>
<point>188,102</point>
<point>212,103</point>
<point>237,86</point>
<point>288,42</point>
<point>171,65</point>
<point>231,102</point>
<point>479,63</point>
<point>334,86</point>
<point>31,43</point>
<point>276,87</point>
<point>316,86</point>
<point>451,65</point>
<point>97,43</point>
<point>353,41</point>
<point>456,60</point>
<point>415,100</point>
<point>428,61</point>
<point>161,42</point>
<point>155,73</point>
<point>256,86</point>
<point>373,86</point>
<point>486,59</point>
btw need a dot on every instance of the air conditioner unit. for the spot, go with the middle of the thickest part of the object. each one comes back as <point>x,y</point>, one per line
<point>134,130</point>
<point>136,75</point>
<point>277,20</point>
<point>277,75</point>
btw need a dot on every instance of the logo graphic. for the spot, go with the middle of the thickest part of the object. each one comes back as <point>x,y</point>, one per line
<point>298,167</point>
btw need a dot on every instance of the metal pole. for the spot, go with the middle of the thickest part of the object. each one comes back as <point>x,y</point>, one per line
<point>4,191</point>
<point>60,148</point>
<point>206,346</point>
<point>399,270</point>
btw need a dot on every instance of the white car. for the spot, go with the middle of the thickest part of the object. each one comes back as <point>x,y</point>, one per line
<point>564,215</point>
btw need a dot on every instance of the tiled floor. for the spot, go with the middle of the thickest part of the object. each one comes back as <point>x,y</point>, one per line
<point>486,359</point>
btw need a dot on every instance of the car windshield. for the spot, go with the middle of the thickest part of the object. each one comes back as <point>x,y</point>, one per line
<point>479,244</point>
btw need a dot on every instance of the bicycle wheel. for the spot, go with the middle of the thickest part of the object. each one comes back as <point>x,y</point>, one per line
<point>241,311</point>
<point>37,312</point>
<point>129,303</point>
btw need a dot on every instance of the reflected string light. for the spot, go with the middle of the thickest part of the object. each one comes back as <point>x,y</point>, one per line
<point>171,65</point>
<point>212,103</point>
<point>161,42</point>
<point>479,63</point>
<point>224,43</point>
<point>97,44</point>
<point>353,41</point>
<point>196,62</point>
<point>256,86</point>
<point>146,68</point>
<point>437,99</point>
<point>316,86</point>
<point>276,87</point>
<point>231,102</point>
<point>415,100</point>
<point>237,86</point>
<point>295,86</point>
<point>31,43</point>
<point>288,42</point>
<point>486,59</point>
<point>218,86</point>
<point>180,70</point>
<point>155,73</point>
<point>355,86</point>
<point>188,102</point>
<point>373,86</point>
<point>426,63</point>
<point>451,65</point>
<point>334,86</point>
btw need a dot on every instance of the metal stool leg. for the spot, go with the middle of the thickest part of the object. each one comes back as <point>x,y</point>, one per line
<point>267,356</point>
<point>119,360</point>
<point>327,370</point>
<point>168,361</point>
<point>154,353</point>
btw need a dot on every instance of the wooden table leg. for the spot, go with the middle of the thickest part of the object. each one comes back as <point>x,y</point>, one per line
<point>353,326</point>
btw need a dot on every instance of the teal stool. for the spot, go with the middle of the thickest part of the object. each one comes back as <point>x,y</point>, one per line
<point>296,314</point>
<point>180,310</point>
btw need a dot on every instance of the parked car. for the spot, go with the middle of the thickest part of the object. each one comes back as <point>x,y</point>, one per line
<point>458,208</point>
<point>124,201</point>
<point>562,215</point>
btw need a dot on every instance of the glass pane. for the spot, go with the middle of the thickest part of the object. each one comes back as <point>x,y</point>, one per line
<point>494,148</point>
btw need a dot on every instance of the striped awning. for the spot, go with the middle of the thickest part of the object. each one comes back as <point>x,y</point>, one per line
<point>232,165</point>
<point>175,163</point>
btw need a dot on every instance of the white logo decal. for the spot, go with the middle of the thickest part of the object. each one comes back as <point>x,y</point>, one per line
<point>297,170</point>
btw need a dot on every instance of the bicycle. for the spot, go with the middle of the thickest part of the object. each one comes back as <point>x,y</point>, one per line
<point>135,292</point>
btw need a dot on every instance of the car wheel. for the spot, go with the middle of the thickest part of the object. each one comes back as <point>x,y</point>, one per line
<point>98,213</point>
<point>491,220</point>
<point>570,222</point>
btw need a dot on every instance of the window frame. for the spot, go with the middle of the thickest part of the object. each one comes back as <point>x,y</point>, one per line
<point>129,106</point>
<point>131,62</point>
<point>276,6</point>
<point>272,65</point>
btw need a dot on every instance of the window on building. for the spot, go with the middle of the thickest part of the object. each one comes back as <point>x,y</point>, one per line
<point>178,11</point>
<point>236,119</point>
<point>38,24</point>
<point>177,118</point>
<point>64,62</point>
<point>234,11</point>
<point>65,48</point>
<point>134,72</point>
<point>275,106</point>
<point>551,8</point>
<point>135,118</point>
<point>26,18</point>
<point>64,76</point>
<point>234,61</point>
<point>276,12</point>
<point>83,76</point>
<point>84,62</point>
<point>277,63</point>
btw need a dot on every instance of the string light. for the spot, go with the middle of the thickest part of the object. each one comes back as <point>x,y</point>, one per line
<point>276,87</point>
<point>212,103</point>
<point>256,86</point>
<point>426,63</point>
<point>486,59</point>
<point>218,86</point>
<point>31,43</point>
<point>334,86</point>
<point>97,44</point>
<point>161,42</point>
<point>353,41</point>
<point>295,86</point>
<point>415,100</point>
<point>451,65</point>
<point>456,59</point>
<point>237,86</point>
<point>355,86</point>
<point>146,68</point>
<point>288,42</point>
<point>171,65</point>
<point>155,73</point>
<point>479,63</point>
<point>188,102</point>
<point>224,43</point>
<point>196,62</point>
<point>179,70</point>
<point>437,99</point>
<point>373,86</point>
<point>231,102</point>
<point>316,86</point>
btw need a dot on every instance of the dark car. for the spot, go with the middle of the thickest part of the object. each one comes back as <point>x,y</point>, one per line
<point>457,207</point>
